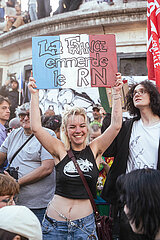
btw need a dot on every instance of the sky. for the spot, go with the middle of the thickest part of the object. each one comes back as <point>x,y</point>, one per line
<point>54,4</point>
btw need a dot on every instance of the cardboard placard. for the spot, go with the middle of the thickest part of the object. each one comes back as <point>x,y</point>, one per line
<point>73,61</point>
<point>124,91</point>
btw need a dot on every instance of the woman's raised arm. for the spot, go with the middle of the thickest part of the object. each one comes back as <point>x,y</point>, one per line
<point>100,144</point>
<point>35,119</point>
<point>52,144</point>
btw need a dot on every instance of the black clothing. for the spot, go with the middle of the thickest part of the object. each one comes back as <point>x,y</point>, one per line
<point>119,149</point>
<point>68,181</point>
<point>67,5</point>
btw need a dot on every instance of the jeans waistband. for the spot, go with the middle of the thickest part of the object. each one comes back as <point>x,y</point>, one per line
<point>77,222</point>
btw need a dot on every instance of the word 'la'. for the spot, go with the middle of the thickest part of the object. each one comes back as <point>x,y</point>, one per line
<point>74,46</point>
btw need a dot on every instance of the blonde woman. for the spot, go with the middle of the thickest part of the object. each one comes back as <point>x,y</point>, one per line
<point>70,214</point>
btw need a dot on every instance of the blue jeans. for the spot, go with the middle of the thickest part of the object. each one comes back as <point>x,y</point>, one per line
<point>81,229</point>
<point>32,12</point>
<point>39,212</point>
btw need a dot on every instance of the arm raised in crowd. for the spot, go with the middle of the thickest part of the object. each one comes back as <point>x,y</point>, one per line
<point>101,143</point>
<point>53,145</point>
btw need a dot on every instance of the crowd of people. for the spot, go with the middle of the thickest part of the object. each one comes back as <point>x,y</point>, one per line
<point>41,193</point>
<point>48,187</point>
<point>10,11</point>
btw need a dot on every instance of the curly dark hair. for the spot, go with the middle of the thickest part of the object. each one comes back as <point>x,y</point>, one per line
<point>53,122</point>
<point>139,191</point>
<point>154,99</point>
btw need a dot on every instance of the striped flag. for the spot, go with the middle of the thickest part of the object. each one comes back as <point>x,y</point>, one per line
<point>153,48</point>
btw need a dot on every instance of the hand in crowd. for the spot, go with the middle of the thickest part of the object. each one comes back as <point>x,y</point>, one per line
<point>118,84</point>
<point>32,85</point>
<point>7,82</point>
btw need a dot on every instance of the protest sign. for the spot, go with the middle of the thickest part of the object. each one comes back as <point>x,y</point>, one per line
<point>124,91</point>
<point>73,61</point>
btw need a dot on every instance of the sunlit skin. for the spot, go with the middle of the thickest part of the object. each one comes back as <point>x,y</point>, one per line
<point>4,112</point>
<point>94,135</point>
<point>141,100</point>
<point>77,131</point>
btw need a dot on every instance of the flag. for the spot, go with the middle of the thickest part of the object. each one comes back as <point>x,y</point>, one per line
<point>153,48</point>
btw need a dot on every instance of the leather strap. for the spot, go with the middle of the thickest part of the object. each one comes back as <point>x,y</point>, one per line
<point>72,157</point>
<point>19,150</point>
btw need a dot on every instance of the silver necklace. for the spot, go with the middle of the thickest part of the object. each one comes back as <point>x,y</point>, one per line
<point>90,236</point>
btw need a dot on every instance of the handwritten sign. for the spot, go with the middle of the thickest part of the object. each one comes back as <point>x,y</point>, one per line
<point>73,61</point>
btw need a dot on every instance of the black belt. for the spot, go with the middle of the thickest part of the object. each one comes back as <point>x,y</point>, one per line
<point>49,219</point>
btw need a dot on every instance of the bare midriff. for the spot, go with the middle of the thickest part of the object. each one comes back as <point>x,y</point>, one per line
<point>72,209</point>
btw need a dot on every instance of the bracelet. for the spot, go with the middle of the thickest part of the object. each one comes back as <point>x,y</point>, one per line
<point>117,98</point>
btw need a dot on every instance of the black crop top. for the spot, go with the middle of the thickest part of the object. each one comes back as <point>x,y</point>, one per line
<point>68,181</point>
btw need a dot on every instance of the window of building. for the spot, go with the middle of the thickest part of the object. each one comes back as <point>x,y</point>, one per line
<point>133,64</point>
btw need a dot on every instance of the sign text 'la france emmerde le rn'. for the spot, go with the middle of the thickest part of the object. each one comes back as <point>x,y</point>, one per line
<point>73,61</point>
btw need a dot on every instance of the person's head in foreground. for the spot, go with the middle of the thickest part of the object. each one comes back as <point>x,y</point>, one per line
<point>74,127</point>
<point>8,189</point>
<point>19,223</point>
<point>139,191</point>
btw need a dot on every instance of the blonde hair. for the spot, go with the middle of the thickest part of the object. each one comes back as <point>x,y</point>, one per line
<point>71,112</point>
